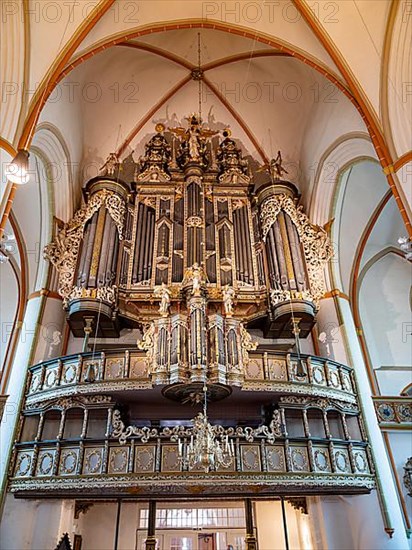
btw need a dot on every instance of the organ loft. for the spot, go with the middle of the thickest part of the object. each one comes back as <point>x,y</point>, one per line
<point>220,272</point>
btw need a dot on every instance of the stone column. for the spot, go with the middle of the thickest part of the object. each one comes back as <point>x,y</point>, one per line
<point>340,342</point>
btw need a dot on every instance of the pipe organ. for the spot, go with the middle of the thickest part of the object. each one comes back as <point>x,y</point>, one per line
<point>193,253</point>
<point>189,249</point>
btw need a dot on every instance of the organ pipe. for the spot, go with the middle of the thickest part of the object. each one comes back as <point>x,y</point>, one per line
<point>183,213</point>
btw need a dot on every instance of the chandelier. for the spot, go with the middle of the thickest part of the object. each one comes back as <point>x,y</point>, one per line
<point>209,446</point>
<point>202,446</point>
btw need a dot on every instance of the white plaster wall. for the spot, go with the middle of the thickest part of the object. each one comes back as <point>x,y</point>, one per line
<point>270,530</point>
<point>401,446</point>
<point>51,329</point>
<point>385,311</point>
<point>34,524</point>
<point>392,380</point>
<point>8,306</point>
<point>97,526</point>
<point>404,175</point>
<point>33,210</point>
<point>354,523</point>
<point>331,339</point>
<point>269,525</point>
<point>365,187</point>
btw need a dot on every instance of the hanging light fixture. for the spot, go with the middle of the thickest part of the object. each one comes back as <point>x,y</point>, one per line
<point>208,447</point>
<point>17,170</point>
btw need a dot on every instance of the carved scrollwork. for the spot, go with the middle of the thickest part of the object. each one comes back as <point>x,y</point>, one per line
<point>316,243</point>
<point>63,251</point>
<point>279,296</point>
<point>247,344</point>
<point>64,403</point>
<point>106,294</point>
<point>120,431</point>
<point>147,343</point>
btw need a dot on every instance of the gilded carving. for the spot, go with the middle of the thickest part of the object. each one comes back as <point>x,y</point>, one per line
<point>342,461</point>
<point>147,343</point>
<point>321,459</point>
<point>360,461</point>
<point>163,293</point>
<point>250,458</point>
<point>404,411</point>
<point>138,368</point>
<point>63,251</point>
<point>175,483</point>
<point>247,344</point>
<point>92,461</point>
<point>275,459</point>
<point>170,459</point>
<point>51,378</point>
<point>106,294</point>
<point>45,463</point>
<point>68,461</point>
<point>144,458</point>
<point>23,464</point>
<point>316,243</point>
<point>318,376</point>
<point>114,367</point>
<point>299,459</point>
<point>228,294</point>
<point>118,460</point>
<point>69,373</point>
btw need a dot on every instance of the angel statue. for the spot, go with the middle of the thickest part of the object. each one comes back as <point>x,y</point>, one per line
<point>275,168</point>
<point>111,166</point>
<point>196,279</point>
<point>164,294</point>
<point>228,296</point>
<point>194,276</point>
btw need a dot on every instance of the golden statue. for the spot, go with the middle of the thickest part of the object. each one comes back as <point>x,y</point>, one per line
<point>275,168</point>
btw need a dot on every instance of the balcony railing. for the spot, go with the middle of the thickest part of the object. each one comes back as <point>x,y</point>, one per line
<point>88,373</point>
<point>393,412</point>
<point>104,466</point>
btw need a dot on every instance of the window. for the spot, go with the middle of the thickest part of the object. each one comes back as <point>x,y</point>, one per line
<point>194,518</point>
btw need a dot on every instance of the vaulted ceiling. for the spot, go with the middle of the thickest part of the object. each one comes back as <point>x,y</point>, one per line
<point>326,83</point>
<point>284,75</point>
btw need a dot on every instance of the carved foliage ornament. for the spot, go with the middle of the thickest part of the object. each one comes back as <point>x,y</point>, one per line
<point>119,430</point>
<point>104,293</point>
<point>316,243</point>
<point>247,344</point>
<point>63,251</point>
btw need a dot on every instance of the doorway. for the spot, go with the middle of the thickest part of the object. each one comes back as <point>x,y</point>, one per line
<point>206,541</point>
